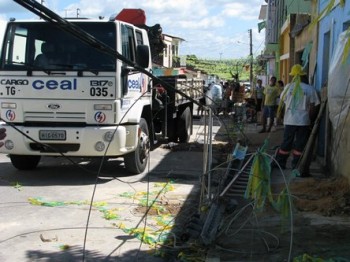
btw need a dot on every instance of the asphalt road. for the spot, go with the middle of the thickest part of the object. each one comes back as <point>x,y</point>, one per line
<point>44,213</point>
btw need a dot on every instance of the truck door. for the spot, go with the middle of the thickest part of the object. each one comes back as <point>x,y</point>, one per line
<point>134,83</point>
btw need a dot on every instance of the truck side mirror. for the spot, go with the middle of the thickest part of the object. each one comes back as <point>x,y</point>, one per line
<point>142,56</point>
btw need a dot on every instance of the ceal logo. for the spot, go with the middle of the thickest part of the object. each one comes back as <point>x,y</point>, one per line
<point>10,115</point>
<point>54,84</point>
<point>134,84</point>
<point>100,117</point>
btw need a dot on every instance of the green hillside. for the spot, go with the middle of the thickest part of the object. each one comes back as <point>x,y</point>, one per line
<point>224,68</point>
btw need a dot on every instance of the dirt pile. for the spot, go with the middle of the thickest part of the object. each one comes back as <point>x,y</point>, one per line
<point>328,197</point>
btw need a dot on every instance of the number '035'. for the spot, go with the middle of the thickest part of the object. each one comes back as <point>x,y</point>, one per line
<point>98,91</point>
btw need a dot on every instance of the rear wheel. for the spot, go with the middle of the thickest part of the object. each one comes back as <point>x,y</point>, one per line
<point>185,126</point>
<point>136,161</point>
<point>172,131</point>
<point>25,162</point>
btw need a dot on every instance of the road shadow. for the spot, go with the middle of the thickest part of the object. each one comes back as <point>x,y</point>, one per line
<point>61,171</point>
<point>75,253</point>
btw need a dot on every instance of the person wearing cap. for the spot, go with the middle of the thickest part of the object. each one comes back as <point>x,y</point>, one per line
<point>299,99</point>
<point>2,135</point>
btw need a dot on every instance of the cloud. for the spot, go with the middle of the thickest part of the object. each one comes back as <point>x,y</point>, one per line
<point>203,24</point>
<point>242,11</point>
<point>209,27</point>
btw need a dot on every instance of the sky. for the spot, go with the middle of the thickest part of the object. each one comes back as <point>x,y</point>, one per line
<point>212,29</point>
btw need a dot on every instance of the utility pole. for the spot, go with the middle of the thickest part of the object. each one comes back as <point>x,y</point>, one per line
<point>251,57</point>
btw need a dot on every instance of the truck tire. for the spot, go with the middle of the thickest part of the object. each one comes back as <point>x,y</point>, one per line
<point>185,126</point>
<point>172,131</point>
<point>25,162</point>
<point>136,161</point>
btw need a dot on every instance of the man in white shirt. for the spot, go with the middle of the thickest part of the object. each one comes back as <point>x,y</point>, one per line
<point>300,100</point>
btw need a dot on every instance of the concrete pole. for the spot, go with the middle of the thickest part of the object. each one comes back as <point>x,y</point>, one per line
<point>251,57</point>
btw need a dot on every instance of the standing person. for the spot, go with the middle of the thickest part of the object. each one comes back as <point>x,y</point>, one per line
<point>258,97</point>
<point>269,104</point>
<point>226,99</point>
<point>300,100</point>
<point>213,97</point>
<point>200,108</point>
<point>2,135</point>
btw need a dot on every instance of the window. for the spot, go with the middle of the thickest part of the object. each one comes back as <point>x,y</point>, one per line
<point>346,25</point>
<point>139,38</point>
<point>16,49</point>
<point>166,51</point>
<point>128,42</point>
<point>326,54</point>
<point>43,46</point>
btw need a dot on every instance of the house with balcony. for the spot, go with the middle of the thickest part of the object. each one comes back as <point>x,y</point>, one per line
<point>168,62</point>
<point>284,46</point>
<point>295,37</point>
<point>170,57</point>
<point>271,53</point>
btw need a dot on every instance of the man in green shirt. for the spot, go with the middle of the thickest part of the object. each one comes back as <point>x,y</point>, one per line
<point>271,92</point>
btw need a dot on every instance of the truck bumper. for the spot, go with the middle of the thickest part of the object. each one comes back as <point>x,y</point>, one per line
<point>77,141</point>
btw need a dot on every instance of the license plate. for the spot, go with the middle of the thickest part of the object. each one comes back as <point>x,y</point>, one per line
<point>52,135</point>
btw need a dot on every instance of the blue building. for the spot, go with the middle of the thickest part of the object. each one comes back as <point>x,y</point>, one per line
<point>330,27</point>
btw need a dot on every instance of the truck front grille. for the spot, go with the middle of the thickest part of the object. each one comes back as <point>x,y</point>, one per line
<point>31,116</point>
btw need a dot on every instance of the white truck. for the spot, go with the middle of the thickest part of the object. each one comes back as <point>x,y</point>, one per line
<point>60,95</point>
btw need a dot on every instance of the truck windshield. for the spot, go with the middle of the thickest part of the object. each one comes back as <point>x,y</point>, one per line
<point>43,46</point>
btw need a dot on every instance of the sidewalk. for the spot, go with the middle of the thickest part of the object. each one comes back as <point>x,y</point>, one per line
<point>319,215</point>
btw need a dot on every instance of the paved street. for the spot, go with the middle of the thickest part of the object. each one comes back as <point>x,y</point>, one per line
<point>44,212</point>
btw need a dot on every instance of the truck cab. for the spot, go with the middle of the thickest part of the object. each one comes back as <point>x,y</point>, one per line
<point>60,95</point>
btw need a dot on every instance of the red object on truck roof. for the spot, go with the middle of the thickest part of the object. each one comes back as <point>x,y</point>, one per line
<point>132,16</point>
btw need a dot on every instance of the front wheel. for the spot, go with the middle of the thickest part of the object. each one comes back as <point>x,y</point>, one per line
<point>136,161</point>
<point>25,162</point>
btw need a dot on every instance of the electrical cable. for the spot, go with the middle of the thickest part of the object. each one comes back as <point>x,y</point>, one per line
<point>145,214</point>
<point>289,204</point>
<point>50,16</point>
<point>51,229</point>
<point>256,252</point>
<point>145,219</point>
<point>103,48</point>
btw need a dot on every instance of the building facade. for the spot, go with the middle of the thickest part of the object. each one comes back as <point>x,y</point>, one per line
<point>334,135</point>
<point>300,32</point>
